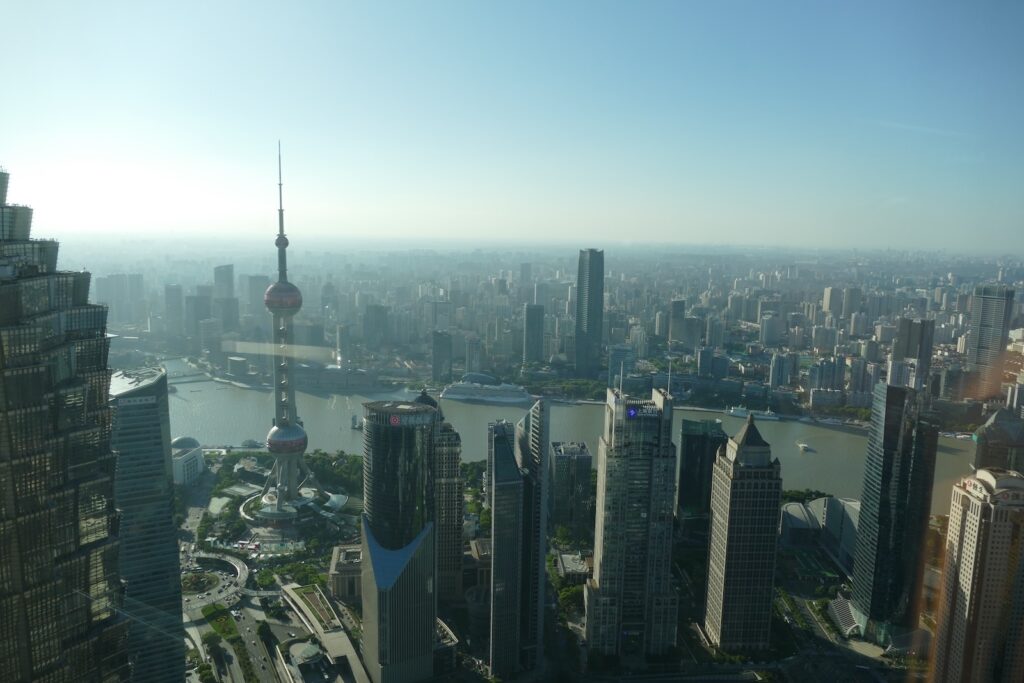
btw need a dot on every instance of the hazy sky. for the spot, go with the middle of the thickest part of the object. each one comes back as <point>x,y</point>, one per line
<point>831,123</point>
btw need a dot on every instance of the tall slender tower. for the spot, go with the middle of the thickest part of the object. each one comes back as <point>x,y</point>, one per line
<point>287,439</point>
<point>980,625</point>
<point>60,592</point>
<point>991,313</point>
<point>888,571</point>
<point>589,312</point>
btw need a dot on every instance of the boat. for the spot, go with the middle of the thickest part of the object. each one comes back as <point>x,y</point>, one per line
<point>477,387</point>
<point>804,448</point>
<point>764,415</point>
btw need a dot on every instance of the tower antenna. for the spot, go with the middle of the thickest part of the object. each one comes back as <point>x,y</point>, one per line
<point>280,193</point>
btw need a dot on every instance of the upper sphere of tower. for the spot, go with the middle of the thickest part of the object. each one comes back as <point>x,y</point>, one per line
<point>283,298</point>
<point>281,241</point>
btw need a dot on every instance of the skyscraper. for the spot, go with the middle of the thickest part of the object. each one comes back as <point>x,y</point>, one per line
<point>999,443</point>
<point>991,312</point>
<point>589,312</point>
<point>533,333</point>
<point>441,356</point>
<point>980,617</point>
<point>630,602</point>
<point>174,310</point>
<point>398,568</point>
<point>507,581</point>
<point>224,282</point>
<point>287,438</point>
<point>60,590</point>
<point>913,343</point>
<point>531,451</point>
<point>699,443</point>
<point>895,505</point>
<point>149,547</point>
<point>677,312</point>
<point>570,464</point>
<point>745,498</point>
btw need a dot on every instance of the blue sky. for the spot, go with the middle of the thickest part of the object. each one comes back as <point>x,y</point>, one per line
<point>811,123</point>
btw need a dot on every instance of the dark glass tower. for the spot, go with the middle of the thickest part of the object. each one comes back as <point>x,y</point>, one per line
<point>399,599</point>
<point>531,451</point>
<point>895,505</point>
<point>533,333</point>
<point>589,312</point>
<point>699,442</point>
<point>60,592</point>
<point>991,312</point>
<point>149,547</point>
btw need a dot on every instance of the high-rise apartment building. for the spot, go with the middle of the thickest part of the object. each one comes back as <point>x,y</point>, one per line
<point>699,444</point>
<point>999,443</point>
<point>895,505</point>
<point>630,602</point>
<point>991,312</point>
<point>980,617</point>
<point>589,312</point>
<point>60,590</point>
<point>570,501</point>
<point>913,345</point>
<point>398,565</point>
<point>149,540</point>
<point>533,333</point>
<point>745,497</point>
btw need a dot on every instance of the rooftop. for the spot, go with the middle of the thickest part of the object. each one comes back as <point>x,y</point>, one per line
<point>125,382</point>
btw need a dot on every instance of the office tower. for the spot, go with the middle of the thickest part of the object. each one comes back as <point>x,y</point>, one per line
<point>677,312</point>
<point>149,540</point>
<point>638,340</point>
<point>895,505</point>
<point>693,330</point>
<point>226,311</point>
<point>621,361</point>
<point>531,452</point>
<point>706,361</point>
<point>197,309</point>
<point>507,536</point>
<point>287,438</point>
<point>832,301</point>
<point>772,329</point>
<point>991,312</point>
<point>174,310</point>
<point>999,443</point>
<point>533,333</point>
<point>714,333</point>
<point>746,492</point>
<point>913,343</point>
<point>570,465</point>
<point>256,286</point>
<point>699,443</point>
<point>851,301</point>
<point>399,603</point>
<point>448,505</point>
<point>375,325</point>
<point>525,273</point>
<point>630,602</point>
<point>980,616</point>
<point>474,354</point>
<point>60,592</point>
<point>589,312</point>
<point>441,356</point>
<point>224,282</point>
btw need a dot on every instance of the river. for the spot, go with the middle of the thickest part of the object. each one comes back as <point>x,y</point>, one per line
<point>219,414</point>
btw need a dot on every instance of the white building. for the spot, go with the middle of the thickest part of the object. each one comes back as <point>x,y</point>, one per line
<point>187,462</point>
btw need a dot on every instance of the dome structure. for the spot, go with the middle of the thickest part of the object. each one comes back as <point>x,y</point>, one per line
<point>283,298</point>
<point>287,439</point>
<point>184,443</point>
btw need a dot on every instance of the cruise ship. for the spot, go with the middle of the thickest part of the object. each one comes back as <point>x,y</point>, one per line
<point>477,387</point>
<point>740,411</point>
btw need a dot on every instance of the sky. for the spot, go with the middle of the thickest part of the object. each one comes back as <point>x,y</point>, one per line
<point>810,123</point>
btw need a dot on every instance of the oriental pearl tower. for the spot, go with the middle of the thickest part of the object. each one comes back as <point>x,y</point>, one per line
<point>287,439</point>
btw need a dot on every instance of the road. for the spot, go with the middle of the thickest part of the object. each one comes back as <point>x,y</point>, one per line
<point>258,654</point>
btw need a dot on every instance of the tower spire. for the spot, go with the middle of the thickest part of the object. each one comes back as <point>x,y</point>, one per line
<point>280,194</point>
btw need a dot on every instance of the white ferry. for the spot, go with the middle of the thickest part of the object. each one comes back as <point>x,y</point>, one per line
<point>764,415</point>
<point>477,387</point>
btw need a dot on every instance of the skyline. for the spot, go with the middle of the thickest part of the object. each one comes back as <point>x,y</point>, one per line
<point>799,126</point>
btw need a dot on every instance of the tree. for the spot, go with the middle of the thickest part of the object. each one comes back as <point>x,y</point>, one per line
<point>212,640</point>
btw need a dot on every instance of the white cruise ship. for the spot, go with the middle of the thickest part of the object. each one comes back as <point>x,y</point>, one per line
<point>740,411</point>
<point>477,387</point>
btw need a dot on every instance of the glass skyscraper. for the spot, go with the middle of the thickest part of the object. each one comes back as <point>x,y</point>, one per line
<point>143,494</point>
<point>60,592</point>
<point>589,312</point>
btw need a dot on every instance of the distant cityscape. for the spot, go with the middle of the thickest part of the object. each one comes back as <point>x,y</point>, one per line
<point>665,548</point>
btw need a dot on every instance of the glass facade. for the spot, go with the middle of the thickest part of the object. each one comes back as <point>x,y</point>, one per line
<point>60,591</point>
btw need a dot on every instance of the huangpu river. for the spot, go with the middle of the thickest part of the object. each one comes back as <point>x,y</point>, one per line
<point>216,413</point>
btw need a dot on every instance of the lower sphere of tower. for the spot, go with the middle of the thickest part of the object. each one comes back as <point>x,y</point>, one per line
<point>288,439</point>
<point>283,298</point>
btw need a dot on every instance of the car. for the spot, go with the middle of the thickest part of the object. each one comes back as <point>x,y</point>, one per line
<point>291,635</point>
<point>253,642</point>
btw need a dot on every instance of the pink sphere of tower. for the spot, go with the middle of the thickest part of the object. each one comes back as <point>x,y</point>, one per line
<point>288,439</point>
<point>283,298</point>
